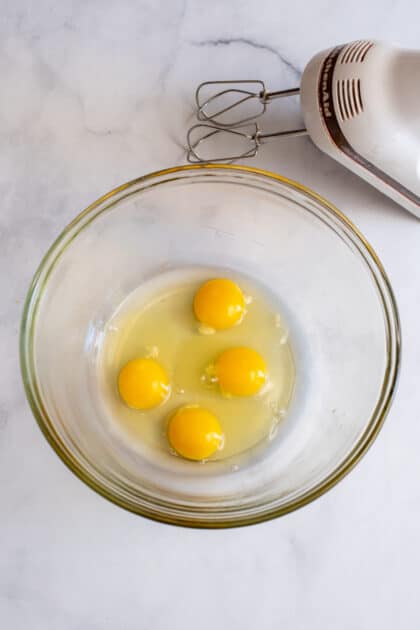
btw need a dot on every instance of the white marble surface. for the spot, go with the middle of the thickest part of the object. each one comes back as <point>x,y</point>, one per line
<point>94,93</point>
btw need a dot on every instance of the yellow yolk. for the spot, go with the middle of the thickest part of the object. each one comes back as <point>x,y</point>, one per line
<point>219,304</point>
<point>194,432</point>
<point>240,371</point>
<point>143,383</point>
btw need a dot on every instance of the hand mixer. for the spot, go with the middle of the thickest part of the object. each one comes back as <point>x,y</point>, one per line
<point>360,103</point>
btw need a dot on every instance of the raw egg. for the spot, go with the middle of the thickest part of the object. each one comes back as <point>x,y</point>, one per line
<point>240,371</point>
<point>143,383</point>
<point>219,304</point>
<point>194,432</point>
<point>198,396</point>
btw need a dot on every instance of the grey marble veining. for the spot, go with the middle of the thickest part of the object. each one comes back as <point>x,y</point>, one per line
<point>96,93</point>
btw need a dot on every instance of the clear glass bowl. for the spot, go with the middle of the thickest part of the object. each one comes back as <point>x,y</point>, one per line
<point>336,297</point>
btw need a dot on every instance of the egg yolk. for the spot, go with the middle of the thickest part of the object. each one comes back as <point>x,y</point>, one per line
<point>143,383</point>
<point>194,432</point>
<point>240,371</point>
<point>219,304</point>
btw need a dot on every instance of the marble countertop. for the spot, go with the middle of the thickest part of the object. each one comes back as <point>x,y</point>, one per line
<point>94,94</point>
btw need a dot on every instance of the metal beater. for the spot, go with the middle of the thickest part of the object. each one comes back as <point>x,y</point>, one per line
<point>217,109</point>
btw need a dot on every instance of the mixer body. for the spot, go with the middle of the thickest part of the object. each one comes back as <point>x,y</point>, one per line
<point>361,106</point>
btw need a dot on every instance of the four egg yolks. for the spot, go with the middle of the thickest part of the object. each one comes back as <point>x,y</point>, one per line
<point>219,304</point>
<point>143,383</point>
<point>240,371</point>
<point>194,432</point>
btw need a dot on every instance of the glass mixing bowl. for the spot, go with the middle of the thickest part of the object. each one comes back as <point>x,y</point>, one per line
<point>335,296</point>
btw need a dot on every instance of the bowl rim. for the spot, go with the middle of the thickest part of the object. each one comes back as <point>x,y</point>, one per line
<point>367,438</point>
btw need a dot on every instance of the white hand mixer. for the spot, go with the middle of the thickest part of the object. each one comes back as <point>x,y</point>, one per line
<point>360,103</point>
